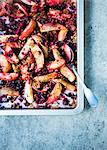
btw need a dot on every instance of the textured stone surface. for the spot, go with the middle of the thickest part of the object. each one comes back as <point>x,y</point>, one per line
<point>86,131</point>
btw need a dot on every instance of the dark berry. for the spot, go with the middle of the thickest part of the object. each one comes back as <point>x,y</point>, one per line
<point>1,51</point>
<point>2,82</point>
<point>61,6</point>
<point>69,95</point>
<point>65,101</point>
<point>10,54</point>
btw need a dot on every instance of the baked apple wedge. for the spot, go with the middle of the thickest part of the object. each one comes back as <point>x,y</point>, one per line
<point>62,34</point>
<point>54,12</point>
<point>45,50</point>
<point>57,14</point>
<point>28,92</point>
<point>24,72</point>
<point>26,48</point>
<point>13,44</point>
<point>38,40</point>
<point>35,85</point>
<point>8,91</point>
<point>67,85</point>
<point>68,73</point>
<point>30,59</point>
<point>8,76</point>
<point>22,8</point>
<point>54,95</point>
<point>39,56</point>
<point>5,38</point>
<point>16,68</point>
<point>46,78</point>
<point>50,27</point>
<point>11,57</point>
<point>28,30</point>
<point>56,53</point>
<point>5,65</point>
<point>68,52</point>
<point>56,64</point>
<point>59,61</point>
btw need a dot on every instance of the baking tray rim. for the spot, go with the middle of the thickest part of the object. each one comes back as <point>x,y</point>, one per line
<point>80,63</point>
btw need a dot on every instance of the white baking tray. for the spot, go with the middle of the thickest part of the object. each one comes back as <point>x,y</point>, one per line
<point>80,63</point>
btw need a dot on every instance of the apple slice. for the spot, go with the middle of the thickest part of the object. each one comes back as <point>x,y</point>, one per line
<point>45,50</point>
<point>54,12</point>
<point>68,73</point>
<point>46,78</point>
<point>38,40</point>
<point>56,64</point>
<point>8,91</point>
<point>36,84</point>
<point>15,68</point>
<point>30,60</point>
<point>69,52</point>
<point>11,57</point>
<point>8,76</point>
<point>68,85</point>
<point>4,64</point>
<point>28,92</point>
<point>56,53</point>
<point>50,27</point>
<point>54,95</point>
<point>24,51</point>
<point>5,38</point>
<point>22,8</point>
<point>38,55</point>
<point>28,30</point>
<point>24,72</point>
<point>62,34</point>
<point>14,44</point>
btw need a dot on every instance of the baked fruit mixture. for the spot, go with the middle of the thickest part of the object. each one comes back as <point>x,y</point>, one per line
<point>37,48</point>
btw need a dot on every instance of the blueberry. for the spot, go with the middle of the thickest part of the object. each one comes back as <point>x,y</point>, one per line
<point>1,51</point>
<point>2,82</point>
<point>2,107</point>
<point>65,101</point>
<point>69,94</point>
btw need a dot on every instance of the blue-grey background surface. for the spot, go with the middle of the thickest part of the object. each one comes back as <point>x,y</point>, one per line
<point>86,131</point>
